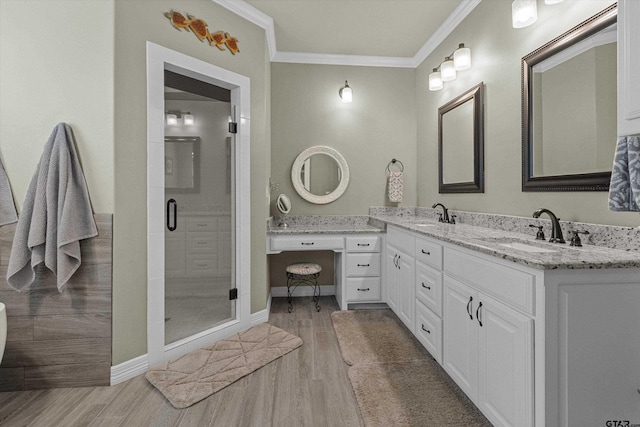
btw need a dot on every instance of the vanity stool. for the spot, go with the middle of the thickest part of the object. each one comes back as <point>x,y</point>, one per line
<point>303,274</point>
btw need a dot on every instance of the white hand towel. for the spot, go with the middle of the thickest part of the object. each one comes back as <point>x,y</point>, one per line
<point>395,187</point>
<point>624,189</point>
<point>55,216</point>
<point>7,206</point>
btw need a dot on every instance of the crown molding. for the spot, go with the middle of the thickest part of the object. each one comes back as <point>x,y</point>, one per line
<point>253,15</point>
<point>457,16</point>
<point>335,59</point>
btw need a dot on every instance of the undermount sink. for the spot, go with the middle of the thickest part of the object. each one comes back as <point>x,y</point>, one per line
<point>518,245</point>
<point>525,247</point>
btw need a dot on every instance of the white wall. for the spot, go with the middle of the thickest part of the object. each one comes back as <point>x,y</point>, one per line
<point>56,65</point>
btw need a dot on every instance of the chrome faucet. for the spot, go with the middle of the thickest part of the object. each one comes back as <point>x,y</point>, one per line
<point>556,229</point>
<point>445,213</point>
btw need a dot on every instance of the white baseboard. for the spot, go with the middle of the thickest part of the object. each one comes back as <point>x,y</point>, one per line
<point>261,316</point>
<point>139,365</point>
<point>281,291</point>
<point>129,369</point>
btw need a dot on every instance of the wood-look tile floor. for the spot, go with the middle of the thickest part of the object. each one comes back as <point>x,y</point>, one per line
<point>307,387</point>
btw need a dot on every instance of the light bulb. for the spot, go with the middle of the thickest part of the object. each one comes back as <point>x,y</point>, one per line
<point>462,58</point>
<point>435,81</point>
<point>447,70</point>
<point>172,120</point>
<point>345,93</point>
<point>188,120</point>
<point>524,13</point>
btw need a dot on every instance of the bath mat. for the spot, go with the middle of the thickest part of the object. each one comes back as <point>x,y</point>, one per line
<point>410,393</point>
<point>196,375</point>
<point>373,336</point>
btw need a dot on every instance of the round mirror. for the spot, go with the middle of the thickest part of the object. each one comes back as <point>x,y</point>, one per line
<point>320,174</point>
<point>283,204</point>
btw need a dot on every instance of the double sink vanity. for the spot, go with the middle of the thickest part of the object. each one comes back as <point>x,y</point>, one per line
<point>535,333</point>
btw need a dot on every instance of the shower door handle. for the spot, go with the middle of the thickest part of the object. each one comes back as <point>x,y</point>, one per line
<point>171,203</point>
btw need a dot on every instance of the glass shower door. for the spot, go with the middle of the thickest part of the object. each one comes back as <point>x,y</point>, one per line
<point>199,232</point>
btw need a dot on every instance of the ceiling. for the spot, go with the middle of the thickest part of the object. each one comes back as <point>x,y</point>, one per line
<point>353,32</point>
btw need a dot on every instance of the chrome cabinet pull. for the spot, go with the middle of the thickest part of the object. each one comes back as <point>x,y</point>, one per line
<point>425,329</point>
<point>364,265</point>
<point>425,286</point>
<point>469,308</point>
<point>364,244</point>
<point>478,313</point>
<point>395,262</point>
<point>426,253</point>
<point>307,243</point>
<point>364,289</point>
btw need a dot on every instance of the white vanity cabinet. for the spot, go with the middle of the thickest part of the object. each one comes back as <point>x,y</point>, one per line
<point>628,67</point>
<point>488,345</point>
<point>401,275</point>
<point>363,268</point>
<point>428,292</point>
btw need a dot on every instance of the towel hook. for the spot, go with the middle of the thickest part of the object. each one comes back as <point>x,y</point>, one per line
<point>393,162</point>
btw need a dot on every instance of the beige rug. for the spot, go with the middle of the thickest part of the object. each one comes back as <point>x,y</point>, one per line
<point>397,383</point>
<point>197,375</point>
<point>373,336</point>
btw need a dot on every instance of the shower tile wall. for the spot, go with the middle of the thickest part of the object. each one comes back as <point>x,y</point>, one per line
<point>60,339</point>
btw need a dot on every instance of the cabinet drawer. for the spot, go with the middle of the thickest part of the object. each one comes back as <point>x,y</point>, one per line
<point>363,289</point>
<point>506,284</point>
<point>301,243</point>
<point>363,265</point>
<point>429,287</point>
<point>198,266</point>
<point>429,330</point>
<point>401,240</point>
<point>201,242</point>
<point>363,244</point>
<point>201,224</point>
<point>429,253</point>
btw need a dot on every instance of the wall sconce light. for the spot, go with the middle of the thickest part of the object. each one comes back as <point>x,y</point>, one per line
<point>173,118</point>
<point>458,60</point>
<point>345,93</point>
<point>524,13</point>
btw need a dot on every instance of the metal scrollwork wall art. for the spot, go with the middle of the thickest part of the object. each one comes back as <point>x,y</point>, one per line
<point>219,39</point>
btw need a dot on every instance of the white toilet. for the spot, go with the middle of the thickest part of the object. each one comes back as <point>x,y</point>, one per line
<point>3,329</point>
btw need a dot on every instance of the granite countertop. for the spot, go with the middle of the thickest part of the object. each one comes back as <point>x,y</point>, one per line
<point>490,241</point>
<point>323,224</point>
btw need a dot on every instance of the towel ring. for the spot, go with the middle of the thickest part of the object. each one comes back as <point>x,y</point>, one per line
<point>393,162</point>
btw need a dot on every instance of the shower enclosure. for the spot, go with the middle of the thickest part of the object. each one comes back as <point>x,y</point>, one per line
<point>198,204</point>
<point>198,234</point>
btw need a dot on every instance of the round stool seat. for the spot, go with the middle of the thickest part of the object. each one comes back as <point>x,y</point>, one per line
<point>304,269</point>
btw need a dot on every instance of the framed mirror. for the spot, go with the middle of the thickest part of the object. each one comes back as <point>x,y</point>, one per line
<point>182,164</point>
<point>569,108</point>
<point>461,143</point>
<point>320,174</point>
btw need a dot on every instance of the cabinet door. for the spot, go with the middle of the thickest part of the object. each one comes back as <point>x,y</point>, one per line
<point>392,278</point>
<point>406,290</point>
<point>460,348</point>
<point>505,363</point>
<point>628,67</point>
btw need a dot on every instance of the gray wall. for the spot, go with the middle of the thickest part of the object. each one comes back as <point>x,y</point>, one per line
<point>380,124</point>
<point>135,23</point>
<point>497,49</point>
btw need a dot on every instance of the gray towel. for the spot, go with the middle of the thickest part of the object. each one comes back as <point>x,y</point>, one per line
<point>7,206</point>
<point>624,190</point>
<point>56,215</point>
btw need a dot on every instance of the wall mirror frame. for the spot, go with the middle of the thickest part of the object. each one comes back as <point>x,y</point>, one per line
<point>301,184</point>
<point>182,164</point>
<point>588,181</point>
<point>474,122</point>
